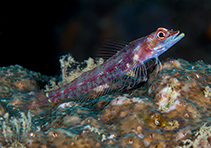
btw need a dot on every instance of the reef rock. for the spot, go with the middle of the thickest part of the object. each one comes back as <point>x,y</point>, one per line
<point>172,109</point>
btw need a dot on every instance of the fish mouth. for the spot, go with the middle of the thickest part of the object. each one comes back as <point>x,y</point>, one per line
<point>177,36</point>
<point>173,39</point>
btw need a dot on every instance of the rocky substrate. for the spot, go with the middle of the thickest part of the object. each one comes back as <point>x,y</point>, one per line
<point>172,109</point>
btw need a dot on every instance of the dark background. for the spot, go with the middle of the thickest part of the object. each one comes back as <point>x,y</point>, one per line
<point>35,35</point>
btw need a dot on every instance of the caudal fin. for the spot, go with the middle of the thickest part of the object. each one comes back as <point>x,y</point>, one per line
<point>36,101</point>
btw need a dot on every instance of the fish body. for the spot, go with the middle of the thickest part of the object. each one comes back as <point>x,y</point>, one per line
<point>129,60</point>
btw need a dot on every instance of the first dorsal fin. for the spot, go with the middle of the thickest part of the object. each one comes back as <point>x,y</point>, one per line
<point>109,48</point>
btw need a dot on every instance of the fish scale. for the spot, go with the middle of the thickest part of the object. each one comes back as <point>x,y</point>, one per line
<point>129,60</point>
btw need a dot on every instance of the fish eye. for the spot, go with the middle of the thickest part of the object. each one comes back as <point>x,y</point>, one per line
<point>161,35</point>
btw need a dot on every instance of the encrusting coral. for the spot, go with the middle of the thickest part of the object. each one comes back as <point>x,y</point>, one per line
<point>172,109</point>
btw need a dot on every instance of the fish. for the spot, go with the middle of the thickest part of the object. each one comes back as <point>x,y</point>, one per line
<point>124,69</point>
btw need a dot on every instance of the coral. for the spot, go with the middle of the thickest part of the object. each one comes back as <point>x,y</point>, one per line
<point>166,98</point>
<point>166,111</point>
<point>201,138</point>
<point>16,129</point>
<point>16,78</point>
<point>207,91</point>
<point>72,69</point>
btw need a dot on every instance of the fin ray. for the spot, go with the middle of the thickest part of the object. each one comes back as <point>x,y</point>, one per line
<point>109,48</point>
<point>134,75</point>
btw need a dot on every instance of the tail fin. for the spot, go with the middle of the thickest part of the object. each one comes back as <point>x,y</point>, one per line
<point>36,101</point>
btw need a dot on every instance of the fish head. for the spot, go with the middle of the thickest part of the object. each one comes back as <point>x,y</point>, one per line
<point>161,40</point>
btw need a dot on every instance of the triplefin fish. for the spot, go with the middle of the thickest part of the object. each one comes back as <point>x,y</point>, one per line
<point>126,67</point>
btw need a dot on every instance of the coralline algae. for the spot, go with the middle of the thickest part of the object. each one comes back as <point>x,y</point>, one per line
<point>171,110</point>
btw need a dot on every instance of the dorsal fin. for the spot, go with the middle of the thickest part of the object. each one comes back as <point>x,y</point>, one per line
<point>109,48</point>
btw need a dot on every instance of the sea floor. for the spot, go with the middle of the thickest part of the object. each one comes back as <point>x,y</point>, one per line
<point>172,109</point>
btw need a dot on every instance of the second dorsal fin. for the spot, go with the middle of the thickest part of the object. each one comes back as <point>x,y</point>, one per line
<point>109,48</point>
